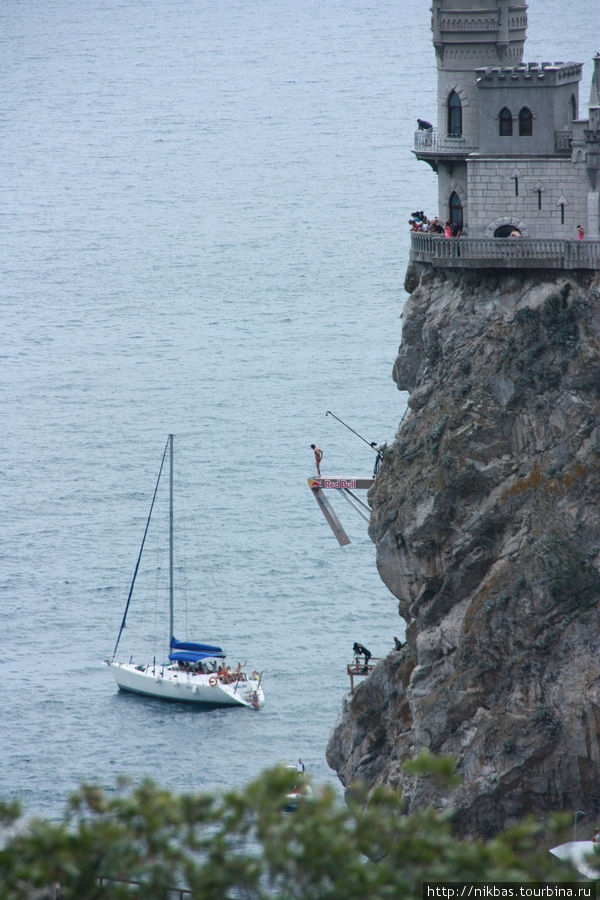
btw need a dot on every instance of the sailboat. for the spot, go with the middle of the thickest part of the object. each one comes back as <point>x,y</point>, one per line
<point>194,672</point>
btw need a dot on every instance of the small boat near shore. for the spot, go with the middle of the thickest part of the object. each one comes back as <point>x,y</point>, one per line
<point>193,671</point>
<point>580,854</point>
<point>300,790</point>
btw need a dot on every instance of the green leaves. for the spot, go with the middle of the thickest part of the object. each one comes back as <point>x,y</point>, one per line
<point>244,844</point>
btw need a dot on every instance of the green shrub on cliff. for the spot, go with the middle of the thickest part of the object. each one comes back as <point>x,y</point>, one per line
<point>243,844</point>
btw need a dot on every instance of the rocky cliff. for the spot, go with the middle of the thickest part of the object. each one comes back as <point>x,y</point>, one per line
<point>486,521</point>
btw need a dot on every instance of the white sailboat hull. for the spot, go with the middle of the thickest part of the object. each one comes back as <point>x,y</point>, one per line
<point>171,683</point>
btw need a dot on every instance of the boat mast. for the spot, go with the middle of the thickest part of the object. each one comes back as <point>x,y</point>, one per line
<point>170,538</point>
<point>137,565</point>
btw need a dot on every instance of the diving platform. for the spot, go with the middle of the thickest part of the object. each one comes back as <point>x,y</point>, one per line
<point>358,669</point>
<point>342,482</point>
<point>346,485</point>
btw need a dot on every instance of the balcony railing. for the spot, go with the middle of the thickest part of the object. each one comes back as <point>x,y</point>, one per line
<point>432,142</point>
<point>522,253</point>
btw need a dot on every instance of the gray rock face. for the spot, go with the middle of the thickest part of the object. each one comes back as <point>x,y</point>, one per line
<point>486,519</point>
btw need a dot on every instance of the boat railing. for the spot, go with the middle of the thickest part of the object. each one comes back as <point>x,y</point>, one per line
<point>496,252</point>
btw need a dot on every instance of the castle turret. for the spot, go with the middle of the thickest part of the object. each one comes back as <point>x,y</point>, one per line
<point>595,96</point>
<point>467,35</point>
<point>470,34</point>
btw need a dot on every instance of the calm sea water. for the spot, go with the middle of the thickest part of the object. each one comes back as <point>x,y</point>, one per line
<point>203,232</point>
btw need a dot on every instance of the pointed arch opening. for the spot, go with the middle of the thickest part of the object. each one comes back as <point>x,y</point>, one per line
<point>455,210</point>
<point>573,107</point>
<point>454,115</point>
<point>505,122</point>
<point>525,122</point>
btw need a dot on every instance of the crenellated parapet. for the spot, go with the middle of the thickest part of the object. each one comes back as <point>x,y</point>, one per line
<point>485,31</point>
<point>550,74</point>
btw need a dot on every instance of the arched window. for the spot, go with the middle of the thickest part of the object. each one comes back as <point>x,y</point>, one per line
<point>455,210</point>
<point>505,122</point>
<point>525,122</point>
<point>573,107</point>
<point>454,115</point>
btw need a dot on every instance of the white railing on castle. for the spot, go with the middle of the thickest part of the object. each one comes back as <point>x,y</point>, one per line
<point>464,252</point>
<point>431,140</point>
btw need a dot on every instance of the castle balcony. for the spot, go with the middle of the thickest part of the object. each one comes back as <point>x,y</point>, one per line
<point>499,253</point>
<point>430,145</point>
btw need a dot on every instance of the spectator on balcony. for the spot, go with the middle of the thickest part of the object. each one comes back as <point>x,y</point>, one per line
<point>456,229</point>
<point>515,233</point>
<point>580,232</point>
<point>434,226</point>
<point>414,226</point>
<point>424,126</point>
<point>447,230</point>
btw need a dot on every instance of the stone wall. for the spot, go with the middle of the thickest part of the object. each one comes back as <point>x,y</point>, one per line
<point>491,192</point>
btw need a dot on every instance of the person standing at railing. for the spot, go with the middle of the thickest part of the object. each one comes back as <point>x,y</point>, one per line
<point>515,233</point>
<point>580,232</point>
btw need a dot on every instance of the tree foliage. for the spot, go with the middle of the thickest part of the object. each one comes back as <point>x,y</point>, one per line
<point>244,844</point>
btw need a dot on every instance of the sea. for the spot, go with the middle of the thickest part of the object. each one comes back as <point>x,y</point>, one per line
<point>203,232</point>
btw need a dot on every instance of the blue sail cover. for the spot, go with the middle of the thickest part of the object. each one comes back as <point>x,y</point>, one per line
<point>192,647</point>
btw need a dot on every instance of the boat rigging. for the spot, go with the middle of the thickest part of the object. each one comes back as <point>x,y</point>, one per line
<point>194,672</point>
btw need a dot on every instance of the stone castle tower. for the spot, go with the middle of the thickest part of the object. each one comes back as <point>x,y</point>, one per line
<point>509,148</point>
<point>469,34</point>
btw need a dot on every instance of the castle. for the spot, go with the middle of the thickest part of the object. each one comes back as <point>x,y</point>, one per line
<point>510,150</point>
